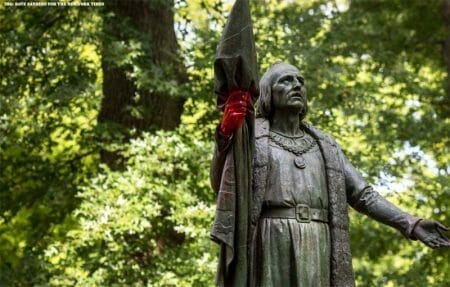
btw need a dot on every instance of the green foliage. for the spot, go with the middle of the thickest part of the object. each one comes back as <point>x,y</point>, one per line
<point>144,226</point>
<point>375,77</point>
<point>48,103</point>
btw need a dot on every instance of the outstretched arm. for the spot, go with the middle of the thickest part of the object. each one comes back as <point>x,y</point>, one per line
<point>366,200</point>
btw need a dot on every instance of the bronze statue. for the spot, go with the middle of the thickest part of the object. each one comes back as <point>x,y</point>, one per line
<point>283,186</point>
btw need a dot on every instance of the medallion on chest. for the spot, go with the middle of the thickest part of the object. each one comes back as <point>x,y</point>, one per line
<point>298,145</point>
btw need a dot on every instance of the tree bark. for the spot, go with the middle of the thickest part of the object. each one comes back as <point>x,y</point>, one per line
<point>151,23</point>
<point>445,103</point>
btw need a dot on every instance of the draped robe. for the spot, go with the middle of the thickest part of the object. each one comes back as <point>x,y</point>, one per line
<point>345,186</point>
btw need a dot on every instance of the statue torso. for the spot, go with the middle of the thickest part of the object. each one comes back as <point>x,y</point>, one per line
<point>293,253</point>
<point>289,185</point>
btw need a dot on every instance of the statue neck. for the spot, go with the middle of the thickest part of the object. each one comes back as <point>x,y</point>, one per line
<point>287,123</point>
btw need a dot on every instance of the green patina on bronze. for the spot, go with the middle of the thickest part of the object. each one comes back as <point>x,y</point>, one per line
<point>283,186</point>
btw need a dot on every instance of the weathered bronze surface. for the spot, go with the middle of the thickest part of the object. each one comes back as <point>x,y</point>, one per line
<point>283,188</point>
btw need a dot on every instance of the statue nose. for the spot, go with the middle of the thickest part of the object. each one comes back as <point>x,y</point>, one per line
<point>297,85</point>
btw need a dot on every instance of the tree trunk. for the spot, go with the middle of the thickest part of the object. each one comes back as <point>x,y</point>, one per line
<point>445,103</point>
<point>126,104</point>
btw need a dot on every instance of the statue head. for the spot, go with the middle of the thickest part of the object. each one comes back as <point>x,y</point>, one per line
<point>282,87</point>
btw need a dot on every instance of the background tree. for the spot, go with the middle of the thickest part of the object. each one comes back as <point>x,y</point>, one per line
<point>376,77</point>
<point>142,69</point>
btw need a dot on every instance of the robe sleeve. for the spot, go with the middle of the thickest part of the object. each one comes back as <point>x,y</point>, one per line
<point>235,67</point>
<point>222,146</point>
<point>366,200</point>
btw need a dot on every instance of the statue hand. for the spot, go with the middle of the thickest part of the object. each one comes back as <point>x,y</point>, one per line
<point>431,232</point>
<point>238,105</point>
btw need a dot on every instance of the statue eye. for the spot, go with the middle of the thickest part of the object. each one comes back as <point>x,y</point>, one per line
<point>286,80</point>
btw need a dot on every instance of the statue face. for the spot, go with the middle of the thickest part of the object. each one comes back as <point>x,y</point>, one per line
<point>288,91</point>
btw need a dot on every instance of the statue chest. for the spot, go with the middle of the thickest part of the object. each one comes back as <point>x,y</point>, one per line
<point>289,183</point>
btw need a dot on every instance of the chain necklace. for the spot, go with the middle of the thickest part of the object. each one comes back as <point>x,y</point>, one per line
<point>308,143</point>
<point>290,137</point>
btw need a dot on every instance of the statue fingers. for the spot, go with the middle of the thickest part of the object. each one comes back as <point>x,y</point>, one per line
<point>442,231</point>
<point>443,242</point>
<point>431,243</point>
<point>445,239</point>
<point>430,240</point>
<point>439,242</point>
<point>442,226</point>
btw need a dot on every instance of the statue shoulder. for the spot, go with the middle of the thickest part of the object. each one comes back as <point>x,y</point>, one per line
<point>319,134</point>
<point>261,127</point>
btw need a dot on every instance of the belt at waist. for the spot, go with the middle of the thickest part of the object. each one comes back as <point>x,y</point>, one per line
<point>301,212</point>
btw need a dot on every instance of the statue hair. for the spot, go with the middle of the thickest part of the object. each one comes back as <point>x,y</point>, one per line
<point>264,106</point>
